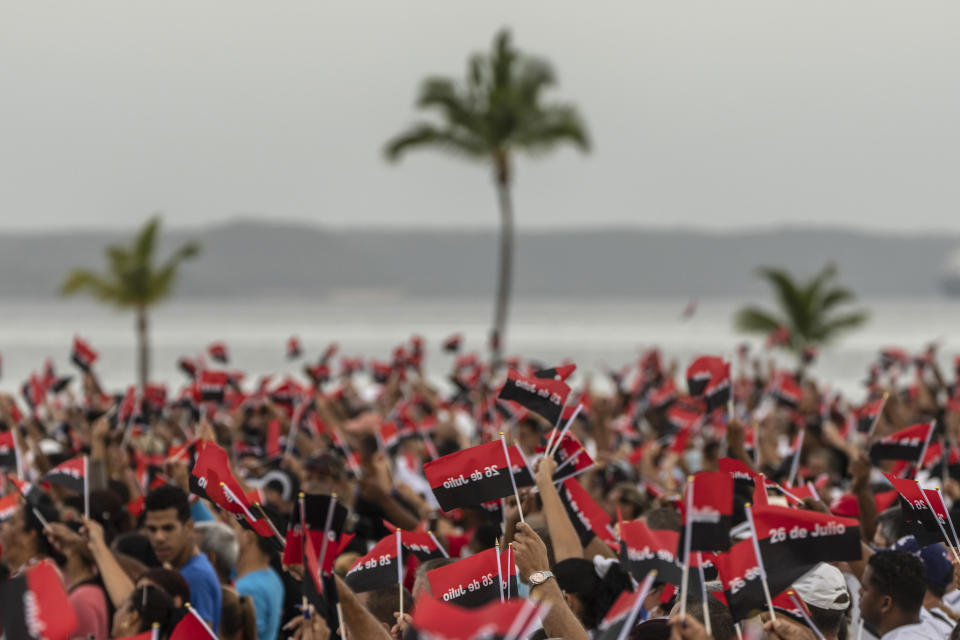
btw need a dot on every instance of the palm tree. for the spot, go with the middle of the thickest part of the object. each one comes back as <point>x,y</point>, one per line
<point>807,309</point>
<point>133,282</point>
<point>497,109</point>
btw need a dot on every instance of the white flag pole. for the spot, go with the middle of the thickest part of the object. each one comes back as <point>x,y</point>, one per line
<point>687,534</point>
<point>763,572</point>
<point>513,481</point>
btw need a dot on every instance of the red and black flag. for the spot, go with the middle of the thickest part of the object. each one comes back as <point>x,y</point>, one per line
<point>218,351</point>
<point>451,344</point>
<point>294,350</point>
<point>9,505</point>
<point>34,605</point>
<point>321,513</point>
<point>212,385</point>
<point>434,619</point>
<point>329,352</point>
<point>128,406</point>
<point>588,518</point>
<point>915,503</point>
<point>188,366</point>
<point>556,373</point>
<point>786,390</point>
<point>907,444</point>
<point>867,415</point>
<point>796,538</point>
<point>621,617</point>
<point>544,396</point>
<point>663,396</point>
<point>707,508</point>
<point>472,476</point>
<point>381,567</point>
<point>793,607</point>
<point>719,390</point>
<point>421,544</point>
<point>9,453</point>
<point>779,337</point>
<point>702,371</point>
<point>213,480</point>
<point>740,576</point>
<point>894,356</point>
<point>472,581</point>
<point>318,585</point>
<point>643,550</point>
<point>83,355</point>
<point>572,458</point>
<point>71,474</point>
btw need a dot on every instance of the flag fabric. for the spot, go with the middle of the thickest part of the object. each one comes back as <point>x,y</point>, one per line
<point>34,605</point>
<point>422,545</point>
<point>718,391</point>
<point>544,396</point>
<point>294,350</point>
<point>920,521</point>
<point>380,567</point>
<point>437,620</point>
<point>69,474</point>
<point>707,508</point>
<point>787,391</point>
<point>906,444</point>
<point>556,373</point>
<point>317,583</point>
<point>218,351</point>
<point>740,578</point>
<point>471,476</point>
<point>866,416</point>
<point>9,505</point>
<point>571,457</point>
<point>588,518</point>
<point>452,343</point>
<point>83,355</point>
<point>701,371</point>
<point>643,550</point>
<point>212,385</point>
<point>621,617</point>
<point>791,606</point>
<point>192,627</point>
<point>472,581</point>
<point>212,479</point>
<point>318,508</point>
<point>9,455</point>
<point>795,538</point>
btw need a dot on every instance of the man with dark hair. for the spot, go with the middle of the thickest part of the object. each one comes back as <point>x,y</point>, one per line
<point>257,579</point>
<point>384,603</point>
<point>170,530</point>
<point>892,596</point>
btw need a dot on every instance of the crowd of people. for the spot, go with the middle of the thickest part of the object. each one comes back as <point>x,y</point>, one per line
<point>139,549</point>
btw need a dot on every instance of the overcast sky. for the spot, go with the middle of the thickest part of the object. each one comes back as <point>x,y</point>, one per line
<point>725,114</point>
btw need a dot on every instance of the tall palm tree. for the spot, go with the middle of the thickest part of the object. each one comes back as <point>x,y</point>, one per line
<point>807,309</point>
<point>132,281</point>
<point>497,109</point>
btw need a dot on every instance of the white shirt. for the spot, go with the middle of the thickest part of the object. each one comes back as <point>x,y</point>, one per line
<point>937,620</point>
<point>919,631</point>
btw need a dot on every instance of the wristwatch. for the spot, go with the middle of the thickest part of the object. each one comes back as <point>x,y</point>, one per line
<point>539,577</point>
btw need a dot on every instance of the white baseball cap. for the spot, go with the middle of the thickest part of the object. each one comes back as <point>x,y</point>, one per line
<point>823,587</point>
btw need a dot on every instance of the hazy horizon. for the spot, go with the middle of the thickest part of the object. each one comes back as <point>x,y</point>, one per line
<point>704,115</point>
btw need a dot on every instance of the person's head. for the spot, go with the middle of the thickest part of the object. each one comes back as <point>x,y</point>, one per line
<point>238,619</point>
<point>937,569</point>
<point>893,590</point>
<point>527,436</point>
<point>105,508</point>
<point>137,546</point>
<point>420,582</point>
<point>139,610</point>
<point>630,500</point>
<point>721,621</point>
<point>664,519</point>
<point>21,535</point>
<point>590,589</point>
<point>382,603</point>
<point>889,528</point>
<point>484,537</point>
<point>170,581</point>
<point>169,525</point>
<point>219,543</point>
<point>825,593</point>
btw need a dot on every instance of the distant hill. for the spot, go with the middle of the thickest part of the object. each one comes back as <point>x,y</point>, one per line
<point>247,258</point>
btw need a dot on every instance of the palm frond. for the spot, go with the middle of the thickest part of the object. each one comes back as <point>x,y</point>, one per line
<point>790,297</point>
<point>835,297</point>
<point>756,320</point>
<point>145,242</point>
<point>837,324</point>
<point>555,125</point>
<point>83,280</point>
<point>427,135</point>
